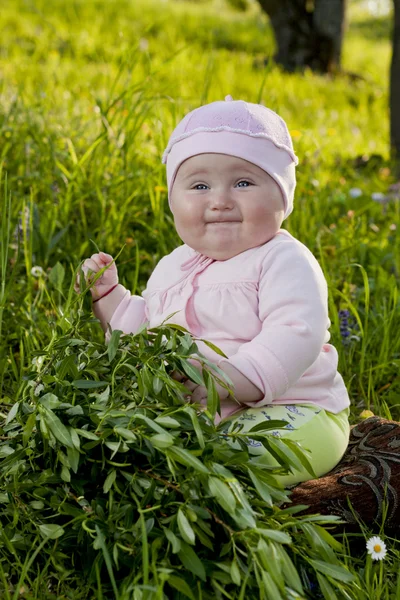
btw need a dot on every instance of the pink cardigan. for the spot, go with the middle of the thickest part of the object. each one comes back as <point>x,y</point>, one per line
<point>266,308</point>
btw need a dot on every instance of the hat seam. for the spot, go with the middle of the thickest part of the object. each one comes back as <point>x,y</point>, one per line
<point>229,129</point>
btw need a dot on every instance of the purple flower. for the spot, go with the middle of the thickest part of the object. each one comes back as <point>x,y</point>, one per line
<point>345,331</point>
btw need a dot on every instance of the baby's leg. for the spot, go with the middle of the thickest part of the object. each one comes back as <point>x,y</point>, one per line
<point>324,434</point>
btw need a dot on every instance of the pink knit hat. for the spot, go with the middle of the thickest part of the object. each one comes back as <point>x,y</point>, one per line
<point>242,129</point>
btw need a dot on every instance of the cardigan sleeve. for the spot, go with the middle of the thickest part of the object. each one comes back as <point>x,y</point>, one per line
<point>293,310</point>
<point>129,315</point>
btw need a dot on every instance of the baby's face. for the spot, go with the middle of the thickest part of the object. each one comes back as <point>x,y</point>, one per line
<point>229,189</point>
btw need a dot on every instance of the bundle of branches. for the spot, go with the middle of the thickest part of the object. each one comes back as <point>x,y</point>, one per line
<point>111,481</point>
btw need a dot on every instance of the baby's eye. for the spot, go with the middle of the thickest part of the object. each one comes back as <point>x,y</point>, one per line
<point>204,185</point>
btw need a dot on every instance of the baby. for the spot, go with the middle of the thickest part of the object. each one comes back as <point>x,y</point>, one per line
<point>242,282</point>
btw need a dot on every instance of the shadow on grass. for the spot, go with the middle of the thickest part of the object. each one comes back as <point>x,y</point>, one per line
<point>373,28</point>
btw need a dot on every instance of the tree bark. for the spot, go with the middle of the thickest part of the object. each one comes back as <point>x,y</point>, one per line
<point>395,88</point>
<point>308,33</point>
<point>365,485</point>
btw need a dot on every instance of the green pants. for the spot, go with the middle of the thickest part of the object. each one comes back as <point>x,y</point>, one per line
<point>324,434</point>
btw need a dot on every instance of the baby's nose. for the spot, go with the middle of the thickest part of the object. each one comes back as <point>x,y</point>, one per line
<point>221,199</point>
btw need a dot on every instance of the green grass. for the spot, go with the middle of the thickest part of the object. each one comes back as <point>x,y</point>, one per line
<point>89,94</point>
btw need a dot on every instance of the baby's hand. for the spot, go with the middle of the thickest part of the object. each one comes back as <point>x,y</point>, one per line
<point>198,392</point>
<point>93,265</point>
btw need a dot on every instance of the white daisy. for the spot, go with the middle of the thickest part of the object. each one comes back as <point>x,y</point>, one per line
<point>378,197</point>
<point>376,548</point>
<point>37,271</point>
<point>355,192</point>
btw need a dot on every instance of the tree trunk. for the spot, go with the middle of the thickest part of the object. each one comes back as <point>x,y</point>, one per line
<point>308,33</point>
<point>395,88</point>
<point>365,485</point>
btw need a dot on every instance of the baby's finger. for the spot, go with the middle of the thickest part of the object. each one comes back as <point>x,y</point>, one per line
<point>91,265</point>
<point>178,376</point>
<point>190,385</point>
<point>97,260</point>
<point>105,258</point>
<point>77,287</point>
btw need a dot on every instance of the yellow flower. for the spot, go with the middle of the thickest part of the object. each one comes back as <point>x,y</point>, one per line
<point>331,131</point>
<point>160,188</point>
<point>366,414</point>
<point>295,133</point>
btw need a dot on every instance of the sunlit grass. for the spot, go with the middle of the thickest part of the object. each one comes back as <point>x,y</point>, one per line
<point>89,94</point>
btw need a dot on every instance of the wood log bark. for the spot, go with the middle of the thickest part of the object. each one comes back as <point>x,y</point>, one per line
<point>365,485</point>
<point>308,33</point>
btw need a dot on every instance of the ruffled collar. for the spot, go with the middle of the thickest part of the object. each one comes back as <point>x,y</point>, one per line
<point>195,259</point>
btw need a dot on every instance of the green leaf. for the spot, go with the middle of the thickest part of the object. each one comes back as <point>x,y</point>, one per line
<point>204,539</point>
<point>43,427</point>
<point>266,425</point>
<point>57,428</point>
<point>175,541</point>
<point>316,541</point>
<point>222,493</point>
<point>261,488</point>
<point>185,528</point>
<point>74,410</point>
<point>99,543</point>
<point>127,434</point>
<point>56,276</point>
<point>181,586</point>
<point>111,477</point>
<point>73,457</point>
<point>196,425</point>
<point>270,588</point>
<point>162,440</point>
<point>244,518</point>
<point>65,474</point>
<point>191,561</point>
<point>235,573</point>
<point>12,413</point>
<point>289,571</point>
<point>87,384</point>
<point>167,422</point>
<point>6,451</point>
<point>152,424</point>
<point>101,397</point>
<point>326,588</point>
<point>157,385</point>
<point>50,401</point>
<point>213,400</point>
<point>113,344</point>
<point>75,438</point>
<point>300,453</point>
<point>215,348</point>
<point>328,538</point>
<point>29,425</point>
<point>89,435</point>
<point>274,534</point>
<point>335,571</point>
<point>282,452</point>
<point>67,366</point>
<point>51,531</point>
<point>192,372</point>
<point>186,458</point>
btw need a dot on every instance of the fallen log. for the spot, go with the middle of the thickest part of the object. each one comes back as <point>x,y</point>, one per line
<point>365,485</point>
